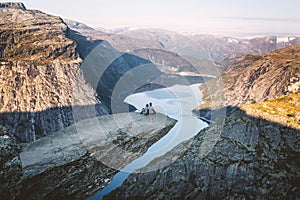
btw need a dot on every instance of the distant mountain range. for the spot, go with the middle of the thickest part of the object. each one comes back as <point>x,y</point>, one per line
<point>207,53</point>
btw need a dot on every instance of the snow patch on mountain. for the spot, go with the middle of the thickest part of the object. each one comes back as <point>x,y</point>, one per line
<point>285,39</point>
<point>231,40</point>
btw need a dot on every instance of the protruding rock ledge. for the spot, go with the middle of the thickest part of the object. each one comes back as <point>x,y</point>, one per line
<point>81,159</point>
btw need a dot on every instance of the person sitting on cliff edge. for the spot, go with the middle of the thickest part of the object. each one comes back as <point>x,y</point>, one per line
<point>151,110</point>
<point>145,110</point>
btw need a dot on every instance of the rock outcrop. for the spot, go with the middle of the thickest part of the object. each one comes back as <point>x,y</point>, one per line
<point>40,78</point>
<point>80,160</point>
<point>247,158</point>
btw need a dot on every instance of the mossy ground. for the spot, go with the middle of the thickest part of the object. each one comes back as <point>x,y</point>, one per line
<point>284,110</point>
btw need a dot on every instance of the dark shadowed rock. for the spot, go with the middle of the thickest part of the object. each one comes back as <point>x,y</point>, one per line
<point>13,5</point>
<point>251,159</point>
<point>10,166</point>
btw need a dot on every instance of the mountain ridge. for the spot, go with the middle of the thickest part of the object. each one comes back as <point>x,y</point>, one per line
<point>40,70</point>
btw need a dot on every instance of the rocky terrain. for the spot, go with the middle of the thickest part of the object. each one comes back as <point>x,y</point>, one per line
<point>79,160</point>
<point>52,78</point>
<point>10,166</point>
<point>47,92</point>
<point>13,5</point>
<point>115,75</point>
<point>40,78</point>
<point>85,30</point>
<point>254,78</point>
<point>245,158</point>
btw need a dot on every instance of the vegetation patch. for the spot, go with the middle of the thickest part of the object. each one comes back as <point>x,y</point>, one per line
<point>284,110</point>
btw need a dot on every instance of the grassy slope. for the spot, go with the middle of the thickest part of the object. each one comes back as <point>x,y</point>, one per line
<point>284,110</point>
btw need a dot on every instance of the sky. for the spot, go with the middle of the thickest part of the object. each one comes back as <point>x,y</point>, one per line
<point>231,17</point>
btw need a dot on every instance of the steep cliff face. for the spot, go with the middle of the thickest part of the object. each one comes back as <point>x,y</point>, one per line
<point>255,78</point>
<point>40,75</point>
<point>251,158</point>
<point>77,161</point>
<point>253,155</point>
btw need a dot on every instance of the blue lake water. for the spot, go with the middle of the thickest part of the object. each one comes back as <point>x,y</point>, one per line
<point>177,102</point>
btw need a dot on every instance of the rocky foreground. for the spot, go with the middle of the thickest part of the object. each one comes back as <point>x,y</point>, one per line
<point>244,158</point>
<point>77,161</point>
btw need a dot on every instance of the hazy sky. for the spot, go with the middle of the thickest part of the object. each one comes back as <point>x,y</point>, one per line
<point>209,16</point>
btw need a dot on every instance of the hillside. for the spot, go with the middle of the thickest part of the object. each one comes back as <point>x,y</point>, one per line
<point>255,78</point>
<point>152,44</point>
<point>166,61</point>
<point>40,78</point>
<point>283,110</point>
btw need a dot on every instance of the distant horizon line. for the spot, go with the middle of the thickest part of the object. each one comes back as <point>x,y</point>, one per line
<point>233,19</point>
<point>248,35</point>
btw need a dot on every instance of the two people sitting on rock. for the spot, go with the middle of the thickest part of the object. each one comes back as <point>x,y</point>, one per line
<point>148,110</point>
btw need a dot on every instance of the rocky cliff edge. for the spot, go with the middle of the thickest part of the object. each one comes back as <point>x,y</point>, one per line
<point>247,158</point>
<point>78,161</point>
